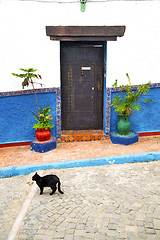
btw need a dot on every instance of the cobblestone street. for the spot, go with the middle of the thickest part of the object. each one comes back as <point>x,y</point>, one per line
<point>106,202</point>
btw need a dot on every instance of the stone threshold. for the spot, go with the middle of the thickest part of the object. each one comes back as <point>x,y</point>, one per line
<point>82,135</point>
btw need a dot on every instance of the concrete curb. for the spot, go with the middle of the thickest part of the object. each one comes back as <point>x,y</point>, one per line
<point>21,215</point>
<point>118,159</point>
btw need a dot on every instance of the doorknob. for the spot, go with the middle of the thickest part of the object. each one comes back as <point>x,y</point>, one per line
<point>92,88</point>
<point>82,73</point>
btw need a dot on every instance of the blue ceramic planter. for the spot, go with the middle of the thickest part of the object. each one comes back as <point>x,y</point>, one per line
<point>117,139</point>
<point>44,146</point>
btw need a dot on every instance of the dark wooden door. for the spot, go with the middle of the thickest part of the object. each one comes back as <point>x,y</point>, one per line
<point>82,73</point>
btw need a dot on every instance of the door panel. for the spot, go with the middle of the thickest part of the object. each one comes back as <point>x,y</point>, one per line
<point>82,86</point>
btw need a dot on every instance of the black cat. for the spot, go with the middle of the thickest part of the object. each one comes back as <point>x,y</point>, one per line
<point>47,181</point>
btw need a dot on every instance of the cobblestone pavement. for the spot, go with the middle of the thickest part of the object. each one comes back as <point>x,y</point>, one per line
<point>106,202</point>
<point>13,192</point>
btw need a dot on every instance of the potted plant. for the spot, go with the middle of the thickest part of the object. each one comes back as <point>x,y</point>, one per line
<point>125,103</point>
<point>43,118</point>
<point>43,125</point>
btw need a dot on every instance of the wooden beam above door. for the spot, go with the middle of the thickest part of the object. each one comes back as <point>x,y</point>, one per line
<point>85,33</point>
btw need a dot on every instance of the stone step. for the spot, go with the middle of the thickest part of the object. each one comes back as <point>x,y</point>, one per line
<point>82,135</point>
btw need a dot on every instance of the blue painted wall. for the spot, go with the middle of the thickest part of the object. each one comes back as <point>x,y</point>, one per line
<point>16,120</point>
<point>147,120</point>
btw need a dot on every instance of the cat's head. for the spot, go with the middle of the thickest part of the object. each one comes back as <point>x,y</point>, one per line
<point>34,178</point>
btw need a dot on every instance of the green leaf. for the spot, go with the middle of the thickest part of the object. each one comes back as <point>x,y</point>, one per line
<point>28,70</point>
<point>37,118</point>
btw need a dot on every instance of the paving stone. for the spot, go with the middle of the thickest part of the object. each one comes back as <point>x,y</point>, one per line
<point>131,222</point>
<point>152,237</point>
<point>31,237</point>
<point>102,229</point>
<point>131,236</point>
<point>156,223</point>
<point>121,229</point>
<point>140,229</point>
<point>149,225</point>
<point>111,233</point>
<point>142,235</point>
<point>111,238</point>
<point>95,230</point>
<point>150,231</point>
<point>130,228</point>
<point>148,219</point>
<point>100,236</point>
<point>78,238</point>
<point>140,223</point>
<point>112,226</point>
<point>89,235</point>
<point>88,229</point>
<point>80,226</point>
<point>58,235</point>
<point>114,220</point>
<point>158,233</point>
<point>38,237</point>
<point>68,237</point>
<point>22,236</point>
<point>79,233</point>
<point>121,236</point>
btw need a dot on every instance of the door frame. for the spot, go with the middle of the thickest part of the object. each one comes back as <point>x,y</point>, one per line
<point>80,43</point>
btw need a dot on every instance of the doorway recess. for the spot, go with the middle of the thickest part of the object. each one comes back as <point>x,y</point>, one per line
<point>83,82</point>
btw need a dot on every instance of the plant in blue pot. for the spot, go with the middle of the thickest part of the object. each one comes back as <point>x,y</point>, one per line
<point>126,102</point>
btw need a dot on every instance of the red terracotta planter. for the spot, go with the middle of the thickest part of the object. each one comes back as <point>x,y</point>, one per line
<point>43,134</point>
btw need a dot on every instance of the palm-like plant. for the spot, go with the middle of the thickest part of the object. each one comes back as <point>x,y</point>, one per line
<point>28,75</point>
<point>43,118</point>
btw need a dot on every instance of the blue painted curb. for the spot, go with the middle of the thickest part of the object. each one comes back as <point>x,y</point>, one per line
<point>119,159</point>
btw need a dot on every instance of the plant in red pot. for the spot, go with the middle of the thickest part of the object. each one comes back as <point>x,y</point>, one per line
<point>44,124</point>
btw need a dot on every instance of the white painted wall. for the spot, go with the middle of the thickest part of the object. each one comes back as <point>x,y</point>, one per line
<point>23,40</point>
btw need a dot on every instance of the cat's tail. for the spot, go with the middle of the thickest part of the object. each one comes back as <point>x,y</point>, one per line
<point>59,187</point>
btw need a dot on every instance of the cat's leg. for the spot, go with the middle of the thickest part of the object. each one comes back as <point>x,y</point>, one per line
<point>59,188</point>
<point>54,188</point>
<point>41,190</point>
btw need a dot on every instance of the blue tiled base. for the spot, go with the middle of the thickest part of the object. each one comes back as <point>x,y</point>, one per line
<point>123,140</point>
<point>44,146</point>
